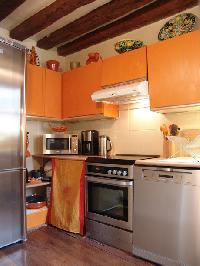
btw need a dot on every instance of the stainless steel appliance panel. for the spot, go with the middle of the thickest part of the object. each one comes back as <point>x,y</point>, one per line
<point>12,62</point>
<point>107,198</point>
<point>189,237</point>
<point>60,143</point>
<point>12,200</point>
<point>167,216</point>
<point>109,235</point>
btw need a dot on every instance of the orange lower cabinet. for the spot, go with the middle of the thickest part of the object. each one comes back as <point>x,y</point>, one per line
<point>36,217</point>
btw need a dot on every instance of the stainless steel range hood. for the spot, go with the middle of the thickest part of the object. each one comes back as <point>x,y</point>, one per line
<point>123,93</point>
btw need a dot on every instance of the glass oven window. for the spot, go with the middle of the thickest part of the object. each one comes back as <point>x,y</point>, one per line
<point>108,200</point>
<point>57,143</point>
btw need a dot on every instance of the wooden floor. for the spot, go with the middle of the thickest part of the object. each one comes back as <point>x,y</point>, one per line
<point>51,246</point>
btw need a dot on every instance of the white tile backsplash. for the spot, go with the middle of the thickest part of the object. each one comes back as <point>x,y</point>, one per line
<point>137,131</point>
<point>144,119</point>
<point>36,129</point>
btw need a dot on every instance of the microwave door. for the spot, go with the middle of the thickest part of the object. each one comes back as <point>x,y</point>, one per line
<point>57,145</point>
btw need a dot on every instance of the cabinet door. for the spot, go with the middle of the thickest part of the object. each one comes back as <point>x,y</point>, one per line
<point>78,85</point>
<point>124,67</point>
<point>52,94</point>
<point>174,71</point>
<point>34,90</point>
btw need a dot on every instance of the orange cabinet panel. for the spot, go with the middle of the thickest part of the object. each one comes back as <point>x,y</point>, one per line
<point>124,67</point>
<point>174,71</point>
<point>52,94</point>
<point>34,90</point>
<point>78,85</point>
<point>36,218</point>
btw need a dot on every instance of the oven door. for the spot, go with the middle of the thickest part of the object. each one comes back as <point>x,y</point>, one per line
<point>110,201</point>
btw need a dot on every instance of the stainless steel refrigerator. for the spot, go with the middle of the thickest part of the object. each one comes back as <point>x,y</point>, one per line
<point>12,143</point>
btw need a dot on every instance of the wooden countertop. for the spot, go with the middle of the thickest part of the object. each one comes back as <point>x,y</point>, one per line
<point>180,162</point>
<point>62,157</point>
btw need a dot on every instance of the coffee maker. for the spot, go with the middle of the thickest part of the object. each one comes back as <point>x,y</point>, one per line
<point>90,142</point>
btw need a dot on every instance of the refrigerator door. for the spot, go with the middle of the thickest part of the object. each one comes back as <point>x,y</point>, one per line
<point>12,61</point>
<point>12,200</point>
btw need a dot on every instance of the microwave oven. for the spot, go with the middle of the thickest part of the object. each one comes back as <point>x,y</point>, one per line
<point>60,143</point>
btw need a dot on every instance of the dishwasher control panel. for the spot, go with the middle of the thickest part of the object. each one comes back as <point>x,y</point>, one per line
<point>183,176</point>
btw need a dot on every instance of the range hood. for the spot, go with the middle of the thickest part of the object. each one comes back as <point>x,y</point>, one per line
<point>123,93</point>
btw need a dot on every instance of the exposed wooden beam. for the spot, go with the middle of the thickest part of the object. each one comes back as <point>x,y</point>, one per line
<point>95,19</point>
<point>46,17</point>
<point>7,7</point>
<point>149,14</point>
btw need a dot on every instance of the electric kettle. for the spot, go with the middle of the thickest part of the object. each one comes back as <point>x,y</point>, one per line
<point>105,145</point>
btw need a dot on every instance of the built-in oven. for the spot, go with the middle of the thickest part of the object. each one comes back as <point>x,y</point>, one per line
<point>110,201</point>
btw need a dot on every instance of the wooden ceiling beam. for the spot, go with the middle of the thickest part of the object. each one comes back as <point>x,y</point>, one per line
<point>46,17</point>
<point>93,20</point>
<point>156,11</point>
<point>7,7</point>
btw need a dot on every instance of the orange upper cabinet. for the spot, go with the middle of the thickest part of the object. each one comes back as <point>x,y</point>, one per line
<point>43,92</point>
<point>52,94</point>
<point>124,67</point>
<point>34,90</point>
<point>174,71</point>
<point>78,85</point>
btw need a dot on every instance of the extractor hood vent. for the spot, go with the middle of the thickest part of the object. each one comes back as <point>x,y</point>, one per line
<point>123,93</point>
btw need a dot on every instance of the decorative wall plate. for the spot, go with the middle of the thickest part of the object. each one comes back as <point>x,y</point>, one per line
<point>177,26</point>
<point>127,45</point>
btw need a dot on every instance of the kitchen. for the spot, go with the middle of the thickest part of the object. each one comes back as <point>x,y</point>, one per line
<point>135,132</point>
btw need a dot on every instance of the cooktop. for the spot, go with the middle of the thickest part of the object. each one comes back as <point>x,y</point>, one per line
<point>125,159</point>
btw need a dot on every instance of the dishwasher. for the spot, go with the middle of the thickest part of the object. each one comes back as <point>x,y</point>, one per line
<point>166,219</point>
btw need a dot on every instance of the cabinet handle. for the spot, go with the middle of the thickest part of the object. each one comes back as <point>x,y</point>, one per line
<point>166,176</point>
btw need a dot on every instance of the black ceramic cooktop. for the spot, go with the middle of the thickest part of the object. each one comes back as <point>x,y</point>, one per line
<point>126,159</point>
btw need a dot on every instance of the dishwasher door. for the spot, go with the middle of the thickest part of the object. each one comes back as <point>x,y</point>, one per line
<point>158,216</point>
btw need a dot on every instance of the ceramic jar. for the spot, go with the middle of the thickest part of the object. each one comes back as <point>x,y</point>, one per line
<point>93,57</point>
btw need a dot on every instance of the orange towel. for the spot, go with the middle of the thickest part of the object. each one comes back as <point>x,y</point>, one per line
<point>67,198</point>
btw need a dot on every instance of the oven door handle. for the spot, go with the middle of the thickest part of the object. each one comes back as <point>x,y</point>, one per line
<point>109,181</point>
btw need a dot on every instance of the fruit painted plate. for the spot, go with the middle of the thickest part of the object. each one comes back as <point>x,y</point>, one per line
<point>177,26</point>
<point>127,45</point>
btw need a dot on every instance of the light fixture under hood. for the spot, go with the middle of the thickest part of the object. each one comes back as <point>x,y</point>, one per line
<point>123,93</point>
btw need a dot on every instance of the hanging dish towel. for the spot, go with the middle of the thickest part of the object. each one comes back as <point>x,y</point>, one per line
<point>66,209</point>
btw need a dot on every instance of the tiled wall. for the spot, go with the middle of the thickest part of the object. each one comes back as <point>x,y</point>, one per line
<point>36,129</point>
<point>137,131</point>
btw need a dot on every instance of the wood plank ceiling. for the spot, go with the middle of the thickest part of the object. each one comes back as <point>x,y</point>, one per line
<point>101,23</point>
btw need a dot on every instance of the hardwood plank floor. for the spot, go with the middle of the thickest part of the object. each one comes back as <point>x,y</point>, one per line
<point>49,246</point>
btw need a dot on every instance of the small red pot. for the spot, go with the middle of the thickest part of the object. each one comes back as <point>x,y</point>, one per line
<point>52,65</point>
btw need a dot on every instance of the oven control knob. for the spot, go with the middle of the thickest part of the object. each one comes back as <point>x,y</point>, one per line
<point>114,172</point>
<point>125,173</point>
<point>109,172</point>
<point>119,173</point>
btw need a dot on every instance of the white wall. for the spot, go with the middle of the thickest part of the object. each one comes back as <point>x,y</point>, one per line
<point>137,131</point>
<point>147,34</point>
<point>43,55</point>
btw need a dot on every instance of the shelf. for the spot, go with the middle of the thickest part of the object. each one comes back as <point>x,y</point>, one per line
<point>38,184</point>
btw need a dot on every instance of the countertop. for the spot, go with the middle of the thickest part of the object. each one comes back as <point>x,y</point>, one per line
<point>62,157</point>
<point>179,162</point>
